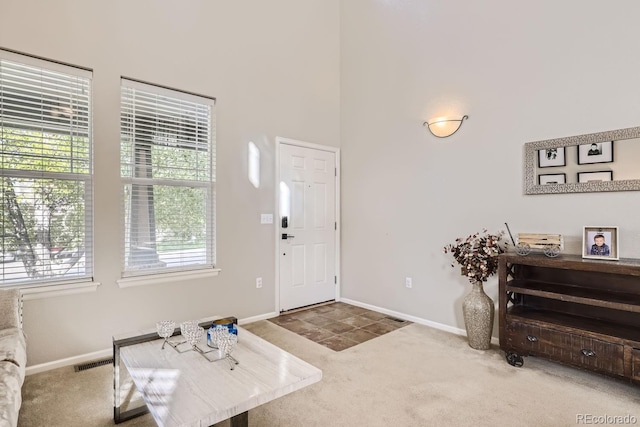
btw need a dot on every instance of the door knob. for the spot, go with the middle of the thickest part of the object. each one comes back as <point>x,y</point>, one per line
<point>286,236</point>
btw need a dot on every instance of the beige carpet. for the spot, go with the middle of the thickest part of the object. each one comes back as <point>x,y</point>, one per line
<point>414,376</point>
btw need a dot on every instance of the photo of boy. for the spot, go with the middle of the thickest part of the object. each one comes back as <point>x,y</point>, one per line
<point>600,243</point>
<point>599,246</point>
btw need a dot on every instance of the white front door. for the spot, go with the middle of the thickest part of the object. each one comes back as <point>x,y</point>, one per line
<point>307,237</point>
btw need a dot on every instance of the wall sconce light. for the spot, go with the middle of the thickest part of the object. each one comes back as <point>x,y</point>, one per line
<point>443,127</point>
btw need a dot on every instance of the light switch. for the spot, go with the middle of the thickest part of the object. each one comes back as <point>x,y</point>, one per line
<point>266,219</point>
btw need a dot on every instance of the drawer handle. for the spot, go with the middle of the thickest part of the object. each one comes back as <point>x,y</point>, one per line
<point>587,352</point>
<point>531,338</point>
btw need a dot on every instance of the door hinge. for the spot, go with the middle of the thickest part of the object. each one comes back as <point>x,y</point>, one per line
<point>335,225</point>
<point>335,279</point>
<point>335,171</point>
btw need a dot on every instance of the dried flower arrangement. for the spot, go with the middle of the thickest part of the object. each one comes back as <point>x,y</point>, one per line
<point>478,254</point>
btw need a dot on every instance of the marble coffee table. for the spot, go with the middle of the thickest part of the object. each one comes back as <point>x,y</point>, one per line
<point>184,389</point>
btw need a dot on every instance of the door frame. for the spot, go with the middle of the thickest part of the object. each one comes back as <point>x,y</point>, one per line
<point>281,141</point>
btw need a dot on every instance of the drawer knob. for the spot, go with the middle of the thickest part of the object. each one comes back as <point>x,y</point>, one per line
<point>532,338</point>
<point>587,352</point>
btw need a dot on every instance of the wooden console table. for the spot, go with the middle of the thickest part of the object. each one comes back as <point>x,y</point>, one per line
<point>585,313</point>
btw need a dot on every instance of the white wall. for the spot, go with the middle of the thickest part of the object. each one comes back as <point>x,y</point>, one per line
<point>522,72</point>
<point>274,69</point>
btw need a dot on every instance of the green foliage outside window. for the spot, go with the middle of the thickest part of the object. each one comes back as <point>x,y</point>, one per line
<point>43,213</point>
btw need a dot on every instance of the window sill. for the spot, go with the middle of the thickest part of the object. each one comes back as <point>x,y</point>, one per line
<point>154,279</point>
<point>49,291</point>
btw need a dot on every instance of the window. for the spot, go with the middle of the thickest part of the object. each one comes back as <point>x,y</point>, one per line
<point>45,172</point>
<point>168,174</point>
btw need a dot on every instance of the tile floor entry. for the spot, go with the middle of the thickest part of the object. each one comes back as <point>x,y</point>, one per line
<point>337,325</point>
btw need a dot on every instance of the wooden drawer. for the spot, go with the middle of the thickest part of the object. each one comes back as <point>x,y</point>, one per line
<point>569,348</point>
<point>534,340</point>
<point>597,354</point>
<point>635,364</point>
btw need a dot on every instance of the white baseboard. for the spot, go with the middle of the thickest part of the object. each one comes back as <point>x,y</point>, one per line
<point>69,361</point>
<point>259,317</point>
<point>414,319</point>
<point>103,354</point>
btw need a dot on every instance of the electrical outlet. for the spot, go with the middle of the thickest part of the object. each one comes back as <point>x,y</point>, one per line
<point>408,282</point>
<point>258,282</point>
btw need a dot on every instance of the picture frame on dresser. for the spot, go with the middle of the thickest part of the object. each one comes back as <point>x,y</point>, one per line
<point>600,242</point>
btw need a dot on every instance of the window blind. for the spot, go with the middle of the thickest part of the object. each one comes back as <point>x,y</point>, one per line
<point>168,174</point>
<point>45,171</point>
